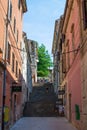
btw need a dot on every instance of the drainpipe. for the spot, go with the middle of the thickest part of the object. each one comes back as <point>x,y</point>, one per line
<point>4,72</point>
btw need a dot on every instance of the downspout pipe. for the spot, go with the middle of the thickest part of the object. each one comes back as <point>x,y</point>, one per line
<point>4,72</point>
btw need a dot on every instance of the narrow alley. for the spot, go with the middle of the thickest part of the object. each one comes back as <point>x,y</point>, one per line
<point>43,65</point>
<point>40,114</point>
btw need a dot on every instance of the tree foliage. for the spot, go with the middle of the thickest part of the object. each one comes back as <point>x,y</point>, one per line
<point>44,61</point>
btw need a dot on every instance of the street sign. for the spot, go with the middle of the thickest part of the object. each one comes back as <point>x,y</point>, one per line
<point>16,88</point>
<point>59,101</point>
<point>61,92</point>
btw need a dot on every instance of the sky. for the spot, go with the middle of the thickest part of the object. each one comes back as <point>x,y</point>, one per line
<point>39,20</point>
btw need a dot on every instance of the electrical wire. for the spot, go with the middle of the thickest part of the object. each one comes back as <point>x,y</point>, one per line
<point>75,50</point>
<point>79,48</point>
<point>21,50</point>
<point>18,48</point>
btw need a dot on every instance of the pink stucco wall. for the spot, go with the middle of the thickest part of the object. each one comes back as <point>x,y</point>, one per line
<point>74,84</point>
<point>74,73</point>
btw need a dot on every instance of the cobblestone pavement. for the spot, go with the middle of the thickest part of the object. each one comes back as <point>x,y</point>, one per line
<point>43,123</point>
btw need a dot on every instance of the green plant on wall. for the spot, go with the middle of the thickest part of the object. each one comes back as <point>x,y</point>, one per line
<point>77,111</point>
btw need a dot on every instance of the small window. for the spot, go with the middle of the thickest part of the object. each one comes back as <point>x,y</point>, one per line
<point>60,45</point>
<point>64,63</point>
<point>63,38</point>
<point>16,69</point>
<point>9,53</point>
<point>17,35</point>
<point>85,13</point>
<point>14,25</point>
<point>19,74</point>
<point>68,55</point>
<point>19,2</point>
<point>73,37</point>
<point>13,61</point>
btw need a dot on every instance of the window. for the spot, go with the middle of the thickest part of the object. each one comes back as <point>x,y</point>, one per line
<point>19,2</point>
<point>60,45</point>
<point>13,61</point>
<point>19,74</point>
<point>84,14</point>
<point>64,63</point>
<point>10,10</point>
<point>63,38</point>
<point>8,53</point>
<point>14,25</point>
<point>16,69</point>
<point>67,55</point>
<point>73,40</point>
<point>17,35</point>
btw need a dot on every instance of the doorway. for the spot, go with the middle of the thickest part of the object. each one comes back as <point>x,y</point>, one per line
<point>70,111</point>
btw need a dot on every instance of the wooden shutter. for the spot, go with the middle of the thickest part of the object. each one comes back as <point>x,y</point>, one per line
<point>84,9</point>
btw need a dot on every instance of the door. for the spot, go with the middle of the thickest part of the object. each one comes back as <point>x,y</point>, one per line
<point>70,111</point>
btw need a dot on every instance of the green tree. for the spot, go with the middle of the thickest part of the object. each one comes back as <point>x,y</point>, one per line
<point>44,61</point>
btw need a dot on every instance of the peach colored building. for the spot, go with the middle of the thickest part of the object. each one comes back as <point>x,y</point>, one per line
<point>83,8</point>
<point>11,15</point>
<point>72,62</point>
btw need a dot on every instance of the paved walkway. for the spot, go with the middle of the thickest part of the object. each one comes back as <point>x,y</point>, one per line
<point>43,123</point>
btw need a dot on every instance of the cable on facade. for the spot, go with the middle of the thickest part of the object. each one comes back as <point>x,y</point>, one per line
<point>71,51</point>
<point>60,53</point>
<point>79,48</point>
<point>17,48</point>
<point>75,50</point>
<point>20,49</point>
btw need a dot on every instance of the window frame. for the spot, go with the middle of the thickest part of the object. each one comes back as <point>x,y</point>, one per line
<point>17,35</point>
<point>8,53</point>
<point>16,73</point>
<point>19,4</point>
<point>13,62</point>
<point>84,9</point>
<point>14,25</point>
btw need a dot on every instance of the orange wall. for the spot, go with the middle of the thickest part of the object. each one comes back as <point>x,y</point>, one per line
<point>10,76</point>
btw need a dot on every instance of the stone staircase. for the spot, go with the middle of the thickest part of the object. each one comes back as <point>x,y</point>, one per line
<point>42,102</point>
